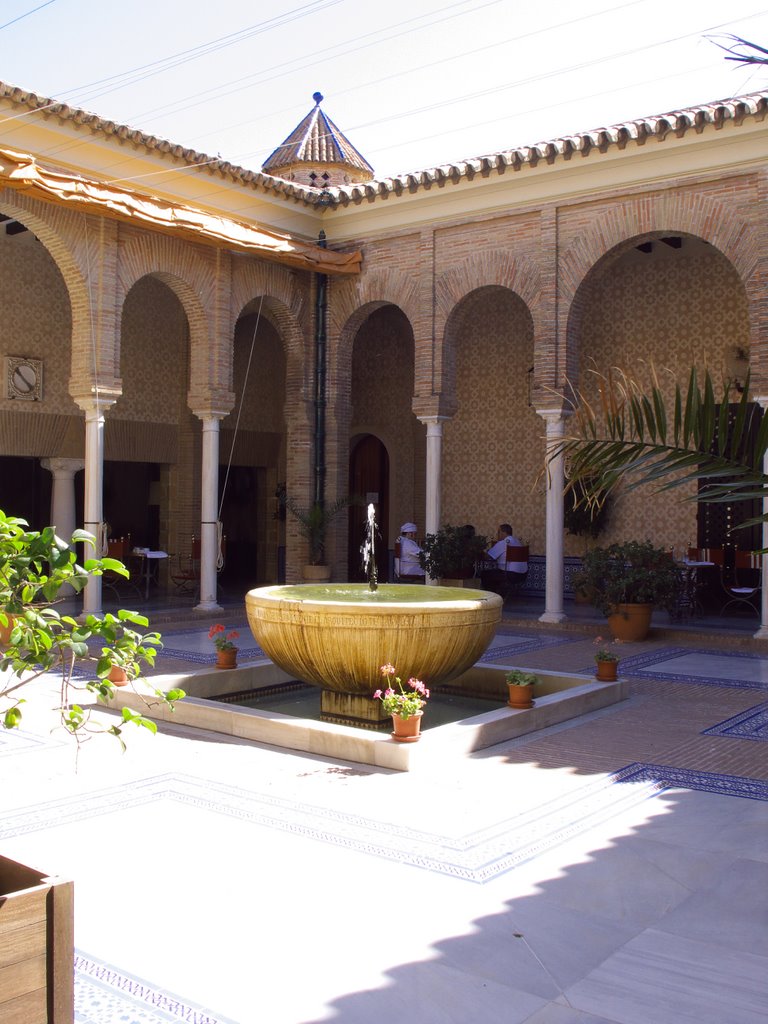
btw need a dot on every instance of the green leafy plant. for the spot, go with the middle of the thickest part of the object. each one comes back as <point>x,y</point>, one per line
<point>631,573</point>
<point>604,652</point>
<point>314,522</point>
<point>34,566</point>
<point>452,552</point>
<point>517,677</point>
<point>633,435</point>
<point>402,702</point>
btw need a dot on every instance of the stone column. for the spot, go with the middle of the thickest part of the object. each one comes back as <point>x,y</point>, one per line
<point>434,425</point>
<point>555,478</point>
<point>209,547</point>
<point>762,633</point>
<point>94,409</point>
<point>63,518</point>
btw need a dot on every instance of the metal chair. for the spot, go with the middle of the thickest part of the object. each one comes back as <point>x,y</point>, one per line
<point>513,581</point>
<point>185,573</point>
<point>746,582</point>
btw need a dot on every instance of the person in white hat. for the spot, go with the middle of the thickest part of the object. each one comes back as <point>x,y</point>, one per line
<point>409,552</point>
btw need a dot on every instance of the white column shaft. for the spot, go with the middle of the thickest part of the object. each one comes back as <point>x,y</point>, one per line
<point>94,489</point>
<point>434,425</point>
<point>553,602</point>
<point>209,549</point>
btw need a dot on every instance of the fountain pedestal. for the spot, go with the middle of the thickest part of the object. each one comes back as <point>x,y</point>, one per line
<point>353,709</point>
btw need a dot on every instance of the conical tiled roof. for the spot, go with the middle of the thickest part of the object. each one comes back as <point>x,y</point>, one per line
<point>317,154</point>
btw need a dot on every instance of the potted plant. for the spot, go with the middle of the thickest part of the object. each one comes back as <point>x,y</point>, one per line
<point>314,522</point>
<point>585,514</point>
<point>521,686</point>
<point>606,661</point>
<point>452,553</point>
<point>404,705</point>
<point>626,581</point>
<point>226,652</point>
<point>37,911</point>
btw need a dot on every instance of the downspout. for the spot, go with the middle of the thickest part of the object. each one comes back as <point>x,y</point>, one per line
<point>321,347</point>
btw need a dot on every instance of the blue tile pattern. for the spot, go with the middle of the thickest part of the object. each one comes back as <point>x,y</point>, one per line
<point>751,724</point>
<point>665,777</point>
<point>522,642</point>
<point>475,856</point>
<point>105,995</point>
<point>641,666</point>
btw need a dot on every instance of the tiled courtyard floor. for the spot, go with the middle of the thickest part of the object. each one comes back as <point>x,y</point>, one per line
<point>611,870</point>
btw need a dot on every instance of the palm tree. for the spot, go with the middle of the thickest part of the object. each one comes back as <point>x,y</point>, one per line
<point>633,435</point>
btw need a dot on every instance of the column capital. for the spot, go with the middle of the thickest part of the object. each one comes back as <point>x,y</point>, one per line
<point>212,405</point>
<point>433,421</point>
<point>59,465</point>
<point>554,415</point>
<point>98,402</point>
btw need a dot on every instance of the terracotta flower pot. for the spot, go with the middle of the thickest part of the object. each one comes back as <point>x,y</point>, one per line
<point>520,697</point>
<point>226,658</point>
<point>606,671</point>
<point>5,631</point>
<point>118,676</point>
<point>407,730</point>
<point>630,622</point>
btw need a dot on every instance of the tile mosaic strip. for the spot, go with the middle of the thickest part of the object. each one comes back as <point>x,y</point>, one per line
<point>667,777</point>
<point>523,643</point>
<point>476,856</point>
<point>105,995</point>
<point>751,724</point>
<point>640,665</point>
<point>243,654</point>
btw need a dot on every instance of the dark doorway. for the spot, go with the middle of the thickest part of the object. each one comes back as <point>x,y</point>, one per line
<point>717,522</point>
<point>127,508</point>
<point>239,516</point>
<point>368,482</point>
<point>25,491</point>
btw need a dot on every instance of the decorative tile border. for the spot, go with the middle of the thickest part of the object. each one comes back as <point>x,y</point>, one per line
<point>476,856</point>
<point>666,777</point>
<point>751,724</point>
<point>106,995</point>
<point>638,665</point>
<point>525,642</point>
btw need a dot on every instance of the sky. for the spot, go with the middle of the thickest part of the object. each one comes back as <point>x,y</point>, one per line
<point>412,85</point>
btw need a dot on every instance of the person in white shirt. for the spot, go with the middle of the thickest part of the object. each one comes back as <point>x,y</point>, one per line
<point>498,554</point>
<point>409,551</point>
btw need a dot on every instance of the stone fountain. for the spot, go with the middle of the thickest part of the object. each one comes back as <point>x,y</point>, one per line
<point>338,635</point>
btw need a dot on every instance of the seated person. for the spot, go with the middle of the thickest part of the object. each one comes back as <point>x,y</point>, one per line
<point>409,552</point>
<point>505,573</point>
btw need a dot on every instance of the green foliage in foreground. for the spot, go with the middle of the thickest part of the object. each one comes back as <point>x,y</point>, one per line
<point>34,566</point>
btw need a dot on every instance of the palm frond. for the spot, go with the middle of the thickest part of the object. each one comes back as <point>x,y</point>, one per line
<point>623,439</point>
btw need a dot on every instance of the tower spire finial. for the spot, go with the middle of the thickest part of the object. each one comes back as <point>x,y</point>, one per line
<point>318,98</point>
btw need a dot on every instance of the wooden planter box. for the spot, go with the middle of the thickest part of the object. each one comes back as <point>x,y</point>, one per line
<point>37,973</point>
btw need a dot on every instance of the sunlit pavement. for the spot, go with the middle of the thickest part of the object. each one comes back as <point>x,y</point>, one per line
<point>611,869</point>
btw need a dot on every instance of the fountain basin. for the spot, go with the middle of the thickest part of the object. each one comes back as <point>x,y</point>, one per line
<point>338,636</point>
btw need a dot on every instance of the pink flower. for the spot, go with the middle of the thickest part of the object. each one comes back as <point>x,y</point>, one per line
<point>233,635</point>
<point>218,628</point>
<point>387,670</point>
<point>377,695</point>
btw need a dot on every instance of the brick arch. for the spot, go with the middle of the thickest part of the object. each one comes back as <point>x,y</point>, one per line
<point>489,267</point>
<point>622,226</point>
<point>65,238</point>
<point>284,304</point>
<point>377,287</point>
<point>192,278</point>
<point>445,383</point>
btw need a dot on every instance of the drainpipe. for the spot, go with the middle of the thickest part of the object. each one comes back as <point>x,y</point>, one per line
<point>321,310</point>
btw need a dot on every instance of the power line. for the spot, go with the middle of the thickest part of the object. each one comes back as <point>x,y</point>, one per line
<point>27,13</point>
